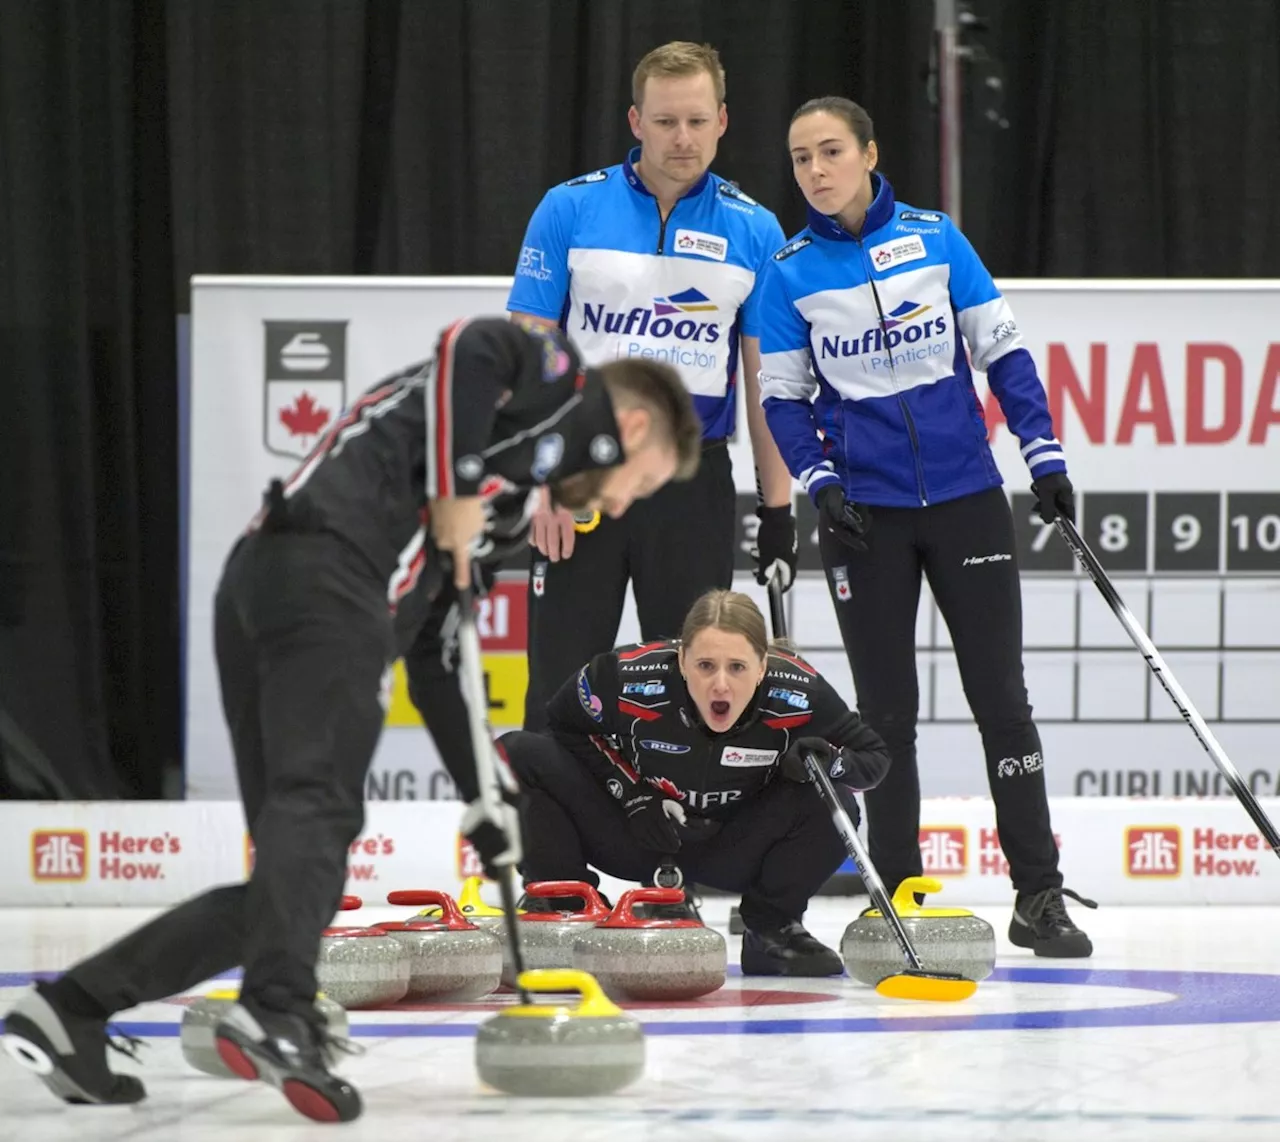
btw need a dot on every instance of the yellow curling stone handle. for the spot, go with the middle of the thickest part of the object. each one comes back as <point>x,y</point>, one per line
<point>593,1004</point>
<point>586,523</point>
<point>470,902</point>
<point>904,900</point>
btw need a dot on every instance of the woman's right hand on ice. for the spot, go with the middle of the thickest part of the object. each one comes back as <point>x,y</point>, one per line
<point>551,530</point>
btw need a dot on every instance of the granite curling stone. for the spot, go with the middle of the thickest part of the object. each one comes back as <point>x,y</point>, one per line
<point>635,958</point>
<point>555,1051</point>
<point>946,939</point>
<point>546,938</point>
<point>362,967</point>
<point>451,959</point>
<point>195,1035</point>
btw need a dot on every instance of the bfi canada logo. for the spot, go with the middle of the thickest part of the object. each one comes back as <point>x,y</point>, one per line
<point>1153,851</point>
<point>59,855</point>
<point>944,850</point>
<point>305,383</point>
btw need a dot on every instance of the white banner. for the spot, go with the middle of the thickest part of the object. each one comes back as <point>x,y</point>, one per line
<point>1165,397</point>
<point>158,853</point>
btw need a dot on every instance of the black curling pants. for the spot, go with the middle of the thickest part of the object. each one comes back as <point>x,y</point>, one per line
<point>303,637</point>
<point>777,849</point>
<point>966,549</point>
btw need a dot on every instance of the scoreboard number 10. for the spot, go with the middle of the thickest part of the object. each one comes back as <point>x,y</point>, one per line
<point>1140,532</point>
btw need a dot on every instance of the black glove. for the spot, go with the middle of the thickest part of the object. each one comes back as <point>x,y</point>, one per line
<point>1055,494</point>
<point>855,768</point>
<point>497,842</point>
<point>776,545</point>
<point>650,822</point>
<point>847,521</point>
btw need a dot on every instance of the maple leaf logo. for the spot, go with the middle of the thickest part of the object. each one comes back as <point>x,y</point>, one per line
<point>666,786</point>
<point>303,418</point>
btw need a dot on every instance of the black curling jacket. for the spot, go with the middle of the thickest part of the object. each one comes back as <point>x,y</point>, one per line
<point>629,718</point>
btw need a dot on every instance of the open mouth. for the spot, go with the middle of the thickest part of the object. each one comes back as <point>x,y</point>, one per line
<point>719,710</point>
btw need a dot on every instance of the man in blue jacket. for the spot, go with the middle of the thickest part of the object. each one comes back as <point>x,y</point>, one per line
<point>653,258</point>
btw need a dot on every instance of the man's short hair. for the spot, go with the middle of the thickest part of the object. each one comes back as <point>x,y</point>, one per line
<point>656,387</point>
<point>678,58</point>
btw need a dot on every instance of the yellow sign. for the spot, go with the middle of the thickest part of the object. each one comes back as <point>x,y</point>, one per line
<point>506,678</point>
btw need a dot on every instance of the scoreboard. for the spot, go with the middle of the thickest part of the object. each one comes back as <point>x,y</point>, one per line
<point>1145,533</point>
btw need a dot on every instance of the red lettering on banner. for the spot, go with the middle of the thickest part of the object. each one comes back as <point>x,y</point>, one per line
<point>1146,374</point>
<point>1208,866</point>
<point>1232,393</point>
<point>1090,406</point>
<point>1265,413</point>
<point>1146,395</point>
<point>1211,839</point>
<point>502,617</point>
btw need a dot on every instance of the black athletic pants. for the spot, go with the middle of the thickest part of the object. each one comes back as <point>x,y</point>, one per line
<point>966,549</point>
<point>303,638</point>
<point>673,547</point>
<point>777,850</point>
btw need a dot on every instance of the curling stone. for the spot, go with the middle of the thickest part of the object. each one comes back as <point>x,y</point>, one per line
<point>546,938</point>
<point>652,959</point>
<point>362,967</point>
<point>553,1050</point>
<point>201,1017</point>
<point>946,939</point>
<point>450,958</point>
<point>471,904</point>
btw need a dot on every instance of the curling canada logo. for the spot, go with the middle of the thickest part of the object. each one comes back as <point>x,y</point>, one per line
<point>1153,851</point>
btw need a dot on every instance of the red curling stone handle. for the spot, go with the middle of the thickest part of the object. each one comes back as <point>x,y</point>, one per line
<point>622,911</point>
<point>350,903</point>
<point>449,911</point>
<point>592,904</point>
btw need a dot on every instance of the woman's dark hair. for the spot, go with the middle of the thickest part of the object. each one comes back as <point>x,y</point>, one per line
<point>853,114</point>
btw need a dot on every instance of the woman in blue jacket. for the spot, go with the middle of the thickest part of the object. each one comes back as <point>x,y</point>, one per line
<point>867,389</point>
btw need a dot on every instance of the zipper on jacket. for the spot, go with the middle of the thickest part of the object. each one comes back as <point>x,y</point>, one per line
<point>662,224</point>
<point>902,400</point>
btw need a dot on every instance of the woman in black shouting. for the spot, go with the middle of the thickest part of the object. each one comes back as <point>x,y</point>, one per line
<point>687,752</point>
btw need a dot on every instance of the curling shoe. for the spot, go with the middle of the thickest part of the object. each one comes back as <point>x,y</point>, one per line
<point>1040,922</point>
<point>69,1051</point>
<point>292,1054</point>
<point>788,950</point>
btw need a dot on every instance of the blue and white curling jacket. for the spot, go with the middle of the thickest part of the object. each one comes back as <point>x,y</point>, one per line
<point>599,258</point>
<point>873,325</point>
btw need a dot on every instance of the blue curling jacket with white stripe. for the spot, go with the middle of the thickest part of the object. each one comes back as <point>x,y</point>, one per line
<point>872,325</point>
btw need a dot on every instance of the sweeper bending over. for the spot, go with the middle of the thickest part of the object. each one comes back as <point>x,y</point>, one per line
<point>393,504</point>
<point>686,752</point>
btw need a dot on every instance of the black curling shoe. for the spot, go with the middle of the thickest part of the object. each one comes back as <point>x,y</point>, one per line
<point>788,950</point>
<point>1040,922</point>
<point>69,1052</point>
<point>293,1055</point>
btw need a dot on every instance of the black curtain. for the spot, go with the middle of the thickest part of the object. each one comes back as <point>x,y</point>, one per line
<point>88,510</point>
<point>142,141</point>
